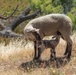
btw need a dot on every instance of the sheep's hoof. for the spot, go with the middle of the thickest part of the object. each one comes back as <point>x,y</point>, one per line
<point>65,53</point>
<point>36,59</point>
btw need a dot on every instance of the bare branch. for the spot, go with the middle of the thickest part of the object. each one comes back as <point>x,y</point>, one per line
<point>5,18</point>
<point>21,18</point>
<point>8,31</point>
<point>33,15</point>
<point>25,12</point>
<point>2,25</point>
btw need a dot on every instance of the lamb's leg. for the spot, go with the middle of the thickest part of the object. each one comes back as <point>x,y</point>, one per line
<point>53,54</point>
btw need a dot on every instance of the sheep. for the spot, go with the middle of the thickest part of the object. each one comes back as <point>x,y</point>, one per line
<point>49,25</point>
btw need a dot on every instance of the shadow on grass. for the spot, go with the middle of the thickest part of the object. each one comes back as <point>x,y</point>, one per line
<point>59,62</point>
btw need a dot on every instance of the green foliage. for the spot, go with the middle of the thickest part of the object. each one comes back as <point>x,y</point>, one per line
<point>72,15</point>
<point>36,4</point>
<point>56,6</point>
<point>8,6</point>
<point>53,6</point>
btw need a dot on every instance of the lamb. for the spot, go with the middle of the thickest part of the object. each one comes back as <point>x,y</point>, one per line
<point>49,25</point>
<point>52,44</point>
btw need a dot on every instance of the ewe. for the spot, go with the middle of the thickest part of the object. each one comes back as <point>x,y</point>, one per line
<point>49,25</point>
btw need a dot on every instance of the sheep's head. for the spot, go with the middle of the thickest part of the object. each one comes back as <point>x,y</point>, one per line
<point>32,34</point>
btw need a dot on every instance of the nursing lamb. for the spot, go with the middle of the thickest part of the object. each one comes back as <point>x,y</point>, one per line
<point>52,44</point>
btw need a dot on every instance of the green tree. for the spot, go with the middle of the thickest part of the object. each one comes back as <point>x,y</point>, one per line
<point>46,6</point>
<point>66,4</point>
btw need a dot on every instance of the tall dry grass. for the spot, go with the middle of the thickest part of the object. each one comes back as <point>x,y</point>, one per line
<point>17,52</point>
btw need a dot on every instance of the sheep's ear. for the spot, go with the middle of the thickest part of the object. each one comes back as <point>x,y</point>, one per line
<point>36,31</point>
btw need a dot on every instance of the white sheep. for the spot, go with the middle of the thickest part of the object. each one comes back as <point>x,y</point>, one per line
<point>49,25</point>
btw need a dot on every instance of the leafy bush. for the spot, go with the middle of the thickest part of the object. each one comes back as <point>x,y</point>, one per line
<point>72,15</point>
<point>41,4</point>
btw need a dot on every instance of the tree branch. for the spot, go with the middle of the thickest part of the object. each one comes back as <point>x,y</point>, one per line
<point>21,18</point>
<point>2,25</point>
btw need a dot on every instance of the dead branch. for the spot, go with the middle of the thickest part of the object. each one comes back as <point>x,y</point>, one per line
<point>18,20</point>
<point>8,31</point>
<point>2,25</point>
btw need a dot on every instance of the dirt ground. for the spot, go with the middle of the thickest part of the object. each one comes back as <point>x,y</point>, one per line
<point>16,53</point>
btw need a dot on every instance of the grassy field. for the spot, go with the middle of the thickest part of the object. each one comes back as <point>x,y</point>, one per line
<point>18,52</point>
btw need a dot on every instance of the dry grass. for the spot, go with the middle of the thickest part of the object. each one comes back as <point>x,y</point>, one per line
<point>18,52</point>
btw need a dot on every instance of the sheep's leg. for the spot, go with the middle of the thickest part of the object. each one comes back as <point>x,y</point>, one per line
<point>69,47</point>
<point>53,54</point>
<point>36,50</point>
<point>69,50</point>
<point>39,47</point>
<point>66,37</point>
<point>66,51</point>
